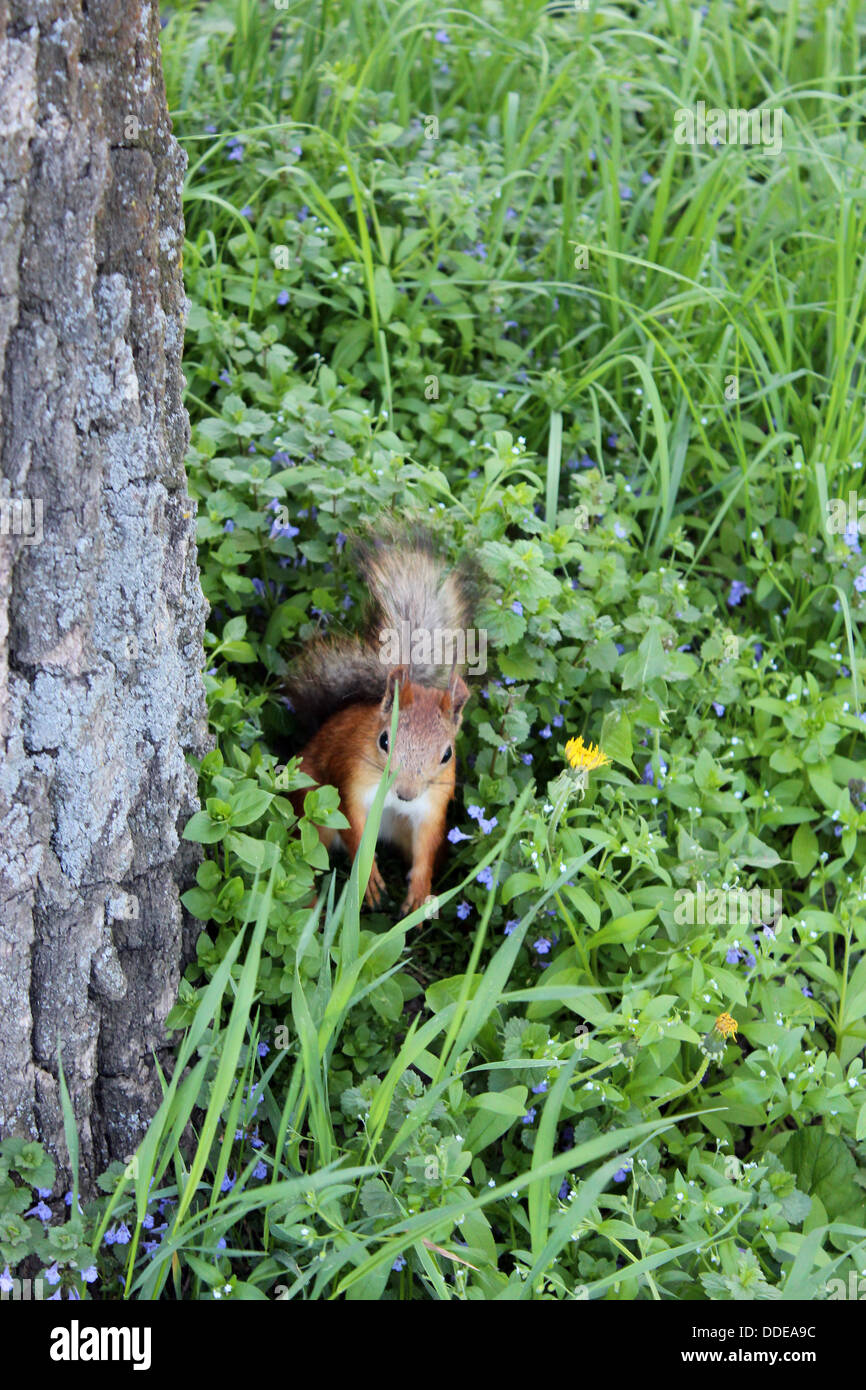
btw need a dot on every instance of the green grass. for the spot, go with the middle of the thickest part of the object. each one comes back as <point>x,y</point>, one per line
<point>452,262</point>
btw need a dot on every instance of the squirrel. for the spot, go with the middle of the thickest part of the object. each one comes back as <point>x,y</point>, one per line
<point>344,687</point>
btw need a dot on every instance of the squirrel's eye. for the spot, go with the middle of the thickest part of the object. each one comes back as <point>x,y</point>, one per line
<point>383,740</point>
<point>446,756</point>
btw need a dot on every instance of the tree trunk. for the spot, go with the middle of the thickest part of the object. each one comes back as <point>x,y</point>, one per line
<point>101,611</point>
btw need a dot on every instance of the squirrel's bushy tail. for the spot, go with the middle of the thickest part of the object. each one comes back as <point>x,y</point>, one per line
<point>418,609</point>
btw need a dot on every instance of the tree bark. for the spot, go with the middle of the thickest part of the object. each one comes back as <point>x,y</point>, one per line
<point>101,611</point>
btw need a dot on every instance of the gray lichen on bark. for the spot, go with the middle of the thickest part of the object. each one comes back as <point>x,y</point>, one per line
<point>101,622</point>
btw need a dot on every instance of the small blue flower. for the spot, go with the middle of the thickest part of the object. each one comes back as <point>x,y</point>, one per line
<point>260,1171</point>
<point>463,910</point>
<point>564,1190</point>
<point>227,1183</point>
<point>529,1117</point>
<point>246,211</point>
<point>526,758</point>
<point>510,925</point>
<point>399,1263</point>
<point>442,36</point>
<point>283,298</point>
<point>7,1283</point>
<point>542,945</point>
<point>719,709</point>
<point>485,877</point>
<point>546,732</point>
<point>517,607</point>
<point>540,1088</point>
<point>455,836</point>
<point>52,1275</point>
<point>621,1175</point>
<point>43,1192</point>
<point>737,593</point>
<point>860,581</point>
<point>90,1275</point>
<point>263,1049</point>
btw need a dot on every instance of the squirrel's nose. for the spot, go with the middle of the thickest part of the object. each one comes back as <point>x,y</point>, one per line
<point>402,797</point>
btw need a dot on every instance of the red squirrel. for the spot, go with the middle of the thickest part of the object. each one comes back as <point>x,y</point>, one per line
<point>344,686</point>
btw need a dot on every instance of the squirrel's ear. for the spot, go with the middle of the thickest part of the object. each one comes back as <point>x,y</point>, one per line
<point>397,676</point>
<point>455,697</point>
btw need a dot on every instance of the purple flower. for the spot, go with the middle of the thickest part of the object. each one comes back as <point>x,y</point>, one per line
<point>625,192</point>
<point>517,607</point>
<point>52,1275</point>
<point>7,1283</point>
<point>732,955</point>
<point>43,1192</point>
<point>236,154</point>
<point>42,1210</point>
<point>510,925</point>
<point>263,1049</point>
<point>526,758</point>
<point>621,1175</point>
<point>283,298</point>
<point>564,1190</point>
<point>455,836</point>
<point>860,581</point>
<point>224,376</point>
<point>542,945</point>
<point>546,732</point>
<point>738,592</point>
<point>246,211</point>
<point>529,1117</point>
<point>540,1088</point>
<point>90,1275</point>
<point>227,1183</point>
<point>463,910</point>
<point>557,721</point>
<point>485,877</point>
<point>229,525</point>
<point>286,531</point>
<point>808,993</point>
<point>261,1170</point>
<point>719,709</point>
<point>612,441</point>
<point>442,36</point>
<point>399,1263</point>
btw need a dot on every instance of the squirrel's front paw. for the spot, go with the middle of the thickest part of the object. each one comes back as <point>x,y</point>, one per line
<point>415,898</point>
<point>375,888</point>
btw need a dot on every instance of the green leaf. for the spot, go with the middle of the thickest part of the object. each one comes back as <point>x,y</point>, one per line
<point>824,1167</point>
<point>805,850</point>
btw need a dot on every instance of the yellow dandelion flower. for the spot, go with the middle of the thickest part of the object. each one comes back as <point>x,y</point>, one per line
<point>585,757</point>
<point>726,1026</point>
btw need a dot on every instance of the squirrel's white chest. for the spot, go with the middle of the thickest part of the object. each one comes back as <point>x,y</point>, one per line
<point>400,819</point>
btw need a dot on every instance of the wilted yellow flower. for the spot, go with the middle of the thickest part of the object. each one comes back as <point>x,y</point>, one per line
<point>726,1026</point>
<point>585,757</point>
